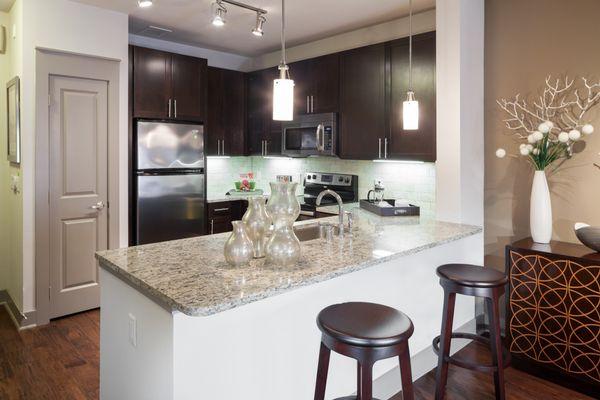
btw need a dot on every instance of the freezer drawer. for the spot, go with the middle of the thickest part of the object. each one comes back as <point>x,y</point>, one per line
<point>162,145</point>
<point>169,207</point>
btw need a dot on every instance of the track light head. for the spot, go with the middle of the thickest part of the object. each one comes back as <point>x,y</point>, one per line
<point>219,12</point>
<point>258,28</point>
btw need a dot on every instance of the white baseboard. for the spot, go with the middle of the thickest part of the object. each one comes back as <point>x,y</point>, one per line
<point>21,321</point>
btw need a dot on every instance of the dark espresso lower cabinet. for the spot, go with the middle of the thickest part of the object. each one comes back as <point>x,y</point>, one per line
<point>553,312</point>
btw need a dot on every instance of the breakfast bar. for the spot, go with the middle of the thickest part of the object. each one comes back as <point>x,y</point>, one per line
<point>179,323</point>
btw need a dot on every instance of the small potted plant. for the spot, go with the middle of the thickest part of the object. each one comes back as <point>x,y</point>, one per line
<point>548,129</point>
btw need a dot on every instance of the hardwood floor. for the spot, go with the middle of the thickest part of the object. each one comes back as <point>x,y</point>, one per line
<point>60,362</point>
<point>57,361</point>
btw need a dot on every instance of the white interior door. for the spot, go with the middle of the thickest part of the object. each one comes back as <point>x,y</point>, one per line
<point>78,146</point>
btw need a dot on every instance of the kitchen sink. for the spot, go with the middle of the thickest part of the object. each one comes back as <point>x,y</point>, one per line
<point>313,231</point>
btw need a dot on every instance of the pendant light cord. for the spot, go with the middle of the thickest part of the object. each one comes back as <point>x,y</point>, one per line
<point>283,64</point>
<point>410,47</point>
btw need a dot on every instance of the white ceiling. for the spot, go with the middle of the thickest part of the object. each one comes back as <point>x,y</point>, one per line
<point>5,5</point>
<point>306,20</point>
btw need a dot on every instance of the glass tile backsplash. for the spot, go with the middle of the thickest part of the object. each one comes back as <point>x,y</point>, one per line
<point>414,182</point>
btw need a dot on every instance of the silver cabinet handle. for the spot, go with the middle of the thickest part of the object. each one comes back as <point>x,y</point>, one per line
<point>169,108</point>
<point>266,147</point>
<point>219,147</point>
<point>379,147</point>
<point>99,206</point>
<point>307,104</point>
<point>222,147</point>
<point>385,153</point>
<point>175,103</point>
<point>312,104</point>
<point>212,226</point>
<point>221,209</point>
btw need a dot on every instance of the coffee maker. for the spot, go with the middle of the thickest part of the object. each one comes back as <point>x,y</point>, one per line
<point>377,191</point>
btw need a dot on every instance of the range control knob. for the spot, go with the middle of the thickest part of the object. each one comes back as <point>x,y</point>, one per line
<point>314,176</point>
<point>347,180</point>
<point>341,179</point>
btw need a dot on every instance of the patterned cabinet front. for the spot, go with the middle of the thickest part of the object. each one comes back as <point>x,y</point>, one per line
<point>553,313</point>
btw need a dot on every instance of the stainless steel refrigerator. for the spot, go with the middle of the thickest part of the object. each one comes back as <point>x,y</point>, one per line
<point>169,181</point>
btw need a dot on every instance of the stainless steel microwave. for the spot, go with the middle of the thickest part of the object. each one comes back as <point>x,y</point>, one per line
<point>310,135</point>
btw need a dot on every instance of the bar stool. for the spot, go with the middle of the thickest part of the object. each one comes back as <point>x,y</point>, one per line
<point>471,280</point>
<point>366,332</point>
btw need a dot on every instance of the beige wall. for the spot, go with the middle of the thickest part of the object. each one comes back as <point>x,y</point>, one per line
<point>526,40</point>
<point>11,210</point>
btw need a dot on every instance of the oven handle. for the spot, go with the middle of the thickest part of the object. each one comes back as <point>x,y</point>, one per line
<point>321,137</point>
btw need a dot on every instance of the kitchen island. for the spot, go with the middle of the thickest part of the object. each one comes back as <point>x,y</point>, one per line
<point>178,323</point>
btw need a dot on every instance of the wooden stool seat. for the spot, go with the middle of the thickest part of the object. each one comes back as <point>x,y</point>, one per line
<point>368,333</point>
<point>365,324</point>
<point>472,275</point>
<point>470,280</point>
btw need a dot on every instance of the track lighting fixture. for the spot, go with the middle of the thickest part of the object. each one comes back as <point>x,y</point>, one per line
<point>258,28</point>
<point>219,12</point>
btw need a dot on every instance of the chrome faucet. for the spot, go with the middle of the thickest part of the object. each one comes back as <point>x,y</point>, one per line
<point>340,206</point>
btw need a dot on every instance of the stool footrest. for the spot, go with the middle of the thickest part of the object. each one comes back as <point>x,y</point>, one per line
<point>468,364</point>
<point>351,398</point>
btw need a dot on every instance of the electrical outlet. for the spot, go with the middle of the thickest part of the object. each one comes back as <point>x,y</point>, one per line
<point>132,330</point>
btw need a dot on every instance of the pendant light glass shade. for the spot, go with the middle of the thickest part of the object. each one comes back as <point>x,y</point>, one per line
<point>410,113</point>
<point>283,88</point>
<point>283,99</point>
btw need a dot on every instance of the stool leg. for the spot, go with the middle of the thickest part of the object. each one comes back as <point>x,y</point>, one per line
<point>365,380</point>
<point>441,374</point>
<point>496,343</point>
<point>406,375</point>
<point>322,370</point>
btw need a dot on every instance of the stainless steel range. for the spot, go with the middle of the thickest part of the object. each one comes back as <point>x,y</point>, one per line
<point>315,182</point>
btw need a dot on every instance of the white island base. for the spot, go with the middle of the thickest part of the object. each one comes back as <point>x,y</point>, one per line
<point>268,349</point>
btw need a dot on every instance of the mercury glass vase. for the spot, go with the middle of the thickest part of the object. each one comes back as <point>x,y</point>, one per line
<point>238,248</point>
<point>257,224</point>
<point>283,247</point>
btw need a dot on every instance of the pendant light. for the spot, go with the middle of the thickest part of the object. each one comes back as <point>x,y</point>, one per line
<point>410,108</point>
<point>283,88</point>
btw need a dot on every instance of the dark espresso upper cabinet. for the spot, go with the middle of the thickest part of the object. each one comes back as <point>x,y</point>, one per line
<point>362,102</point>
<point>420,144</point>
<point>316,85</point>
<point>151,83</point>
<point>168,86</point>
<point>225,131</point>
<point>264,134</point>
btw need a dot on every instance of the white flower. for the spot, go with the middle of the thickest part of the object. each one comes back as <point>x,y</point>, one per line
<point>537,136</point>
<point>550,124</point>
<point>530,148</point>
<point>563,137</point>
<point>500,153</point>
<point>523,145</point>
<point>545,127</point>
<point>531,139</point>
<point>536,152</point>
<point>525,151</point>
<point>587,129</point>
<point>574,135</point>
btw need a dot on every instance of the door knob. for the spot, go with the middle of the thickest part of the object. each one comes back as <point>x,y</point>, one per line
<point>99,206</point>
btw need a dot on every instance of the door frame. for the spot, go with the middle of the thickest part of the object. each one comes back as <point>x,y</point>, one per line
<point>51,62</point>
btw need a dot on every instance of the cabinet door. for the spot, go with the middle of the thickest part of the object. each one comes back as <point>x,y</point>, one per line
<point>362,102</point>
<point>255,86</point>
<point>189,88</point>
<point>151,83</point>
<point>420,144</point>
<point>234,113</point>
<point>326,84</point>
<point>301,73</point>
<point>215,122</point>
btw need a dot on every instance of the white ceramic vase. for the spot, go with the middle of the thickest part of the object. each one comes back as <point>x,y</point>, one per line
<point>540,212</point>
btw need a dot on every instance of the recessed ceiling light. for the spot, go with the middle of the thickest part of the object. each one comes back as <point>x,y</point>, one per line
<point>144,3</point>
<point>258,29</point>
<point>219,12</point>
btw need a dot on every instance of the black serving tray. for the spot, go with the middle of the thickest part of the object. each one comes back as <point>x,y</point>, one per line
<point>371,206</point>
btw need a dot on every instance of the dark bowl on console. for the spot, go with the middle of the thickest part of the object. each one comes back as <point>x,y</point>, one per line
<point>589,236</point>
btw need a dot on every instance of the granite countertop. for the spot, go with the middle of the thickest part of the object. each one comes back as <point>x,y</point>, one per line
<point>192,277</point>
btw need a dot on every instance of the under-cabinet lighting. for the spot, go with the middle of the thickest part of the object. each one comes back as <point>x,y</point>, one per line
<point>278,157</point>
<point>398,161</point>
<point>144,3</point>
<point>218,157</point>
